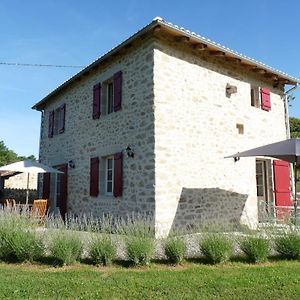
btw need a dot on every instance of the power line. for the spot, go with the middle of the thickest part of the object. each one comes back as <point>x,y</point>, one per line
<point>38,65</point>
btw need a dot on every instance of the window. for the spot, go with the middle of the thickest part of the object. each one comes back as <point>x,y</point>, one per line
<point>255,98</point>
<point>260,98</point>
<point>109,175</point>
<point>109,97</point>
<point>57,117</point>
<point>240,128</point>
<point>56,123</point>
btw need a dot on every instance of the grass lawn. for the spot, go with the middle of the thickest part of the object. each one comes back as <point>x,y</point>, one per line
<point>274,280</point>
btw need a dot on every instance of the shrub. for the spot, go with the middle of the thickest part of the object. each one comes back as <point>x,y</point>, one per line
<point>255,248</point>
<point>175,249</point>
<point>139,249</point>
<point>102,251</point>
<point>19,245</point>
<point>66,248</point>
<point>216,248</point>
<point>288,245</point>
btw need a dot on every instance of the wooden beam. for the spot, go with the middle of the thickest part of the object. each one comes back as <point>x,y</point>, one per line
<point>156,29</point>
<point>200,47</point>
<point>259,70</point>
<point>216,53</point>
<point>271,76</point>
<point>246,66</point>
<point>233,59</point>
<point>182,39</point>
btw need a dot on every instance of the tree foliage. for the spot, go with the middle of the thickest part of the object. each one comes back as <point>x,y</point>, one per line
<point>295,127</point>
<point>8,156</point>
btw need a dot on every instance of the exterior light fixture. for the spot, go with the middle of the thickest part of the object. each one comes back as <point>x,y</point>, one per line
<point>71,164</point>
<point>129,151</point>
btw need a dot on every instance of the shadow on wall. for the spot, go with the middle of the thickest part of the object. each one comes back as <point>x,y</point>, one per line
<point>200,207</point>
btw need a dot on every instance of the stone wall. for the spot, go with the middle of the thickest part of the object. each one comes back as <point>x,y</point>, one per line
<point>20,181</point>
<point>181,124</point>
<point>85,138</point>
<point>196,127</point>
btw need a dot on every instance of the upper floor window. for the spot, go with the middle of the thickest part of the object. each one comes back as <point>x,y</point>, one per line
<point>56,123</point>
<point>255,98</point>
<point>260,98</point>
<point>108,99</point>
<point>107,96</point>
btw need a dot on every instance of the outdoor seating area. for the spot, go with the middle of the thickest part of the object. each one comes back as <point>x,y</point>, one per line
<point>38,209</point>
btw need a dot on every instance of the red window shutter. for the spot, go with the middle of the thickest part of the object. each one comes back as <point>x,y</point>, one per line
<point>265,99</point>
<point>118,174</point>
<point>46,185</point>
<point>94,177</point>
<point>51,124</point>
<point>282,187</point>
<point>62,118</point>
<point>96,101</point>
<point>117,91</point>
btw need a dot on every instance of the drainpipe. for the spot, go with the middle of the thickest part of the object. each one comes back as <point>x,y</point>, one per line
<point>288,135</point>
<point>286,110</point>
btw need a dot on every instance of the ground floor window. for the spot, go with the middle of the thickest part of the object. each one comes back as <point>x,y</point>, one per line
<point>264,179</point>
<point>109,175</point>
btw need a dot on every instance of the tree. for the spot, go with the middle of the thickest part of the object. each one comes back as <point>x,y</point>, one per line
<point>295,127</point>
<point>291,98</point>
<point>8,156</point>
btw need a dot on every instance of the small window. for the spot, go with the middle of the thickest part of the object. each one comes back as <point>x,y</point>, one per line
<point>240,128</point>
<point>255,98</point>
<point>108,97</point>
<point>109,175</point>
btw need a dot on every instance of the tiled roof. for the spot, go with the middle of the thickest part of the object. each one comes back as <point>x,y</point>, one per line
<point>179,30</point>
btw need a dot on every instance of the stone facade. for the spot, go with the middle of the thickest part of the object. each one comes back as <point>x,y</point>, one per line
<point>20,181</point>
<point>196,127</point>
<point>181,124</point>
<point>85,138</point>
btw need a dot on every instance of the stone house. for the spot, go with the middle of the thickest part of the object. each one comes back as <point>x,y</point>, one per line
<point>145,128</point>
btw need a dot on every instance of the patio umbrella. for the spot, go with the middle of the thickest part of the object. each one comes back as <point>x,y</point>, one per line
<point>29,167</point>
<point>287,150</point>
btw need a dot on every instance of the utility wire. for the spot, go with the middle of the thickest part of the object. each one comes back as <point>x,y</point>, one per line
<point>38,65</point>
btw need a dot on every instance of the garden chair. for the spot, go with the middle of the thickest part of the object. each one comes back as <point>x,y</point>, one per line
<point>39,208</point>
<point>10,203</point>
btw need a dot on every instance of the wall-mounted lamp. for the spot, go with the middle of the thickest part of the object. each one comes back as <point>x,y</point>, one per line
<point>230,89</point>
<point>71,164</point>
<point>129,151</point>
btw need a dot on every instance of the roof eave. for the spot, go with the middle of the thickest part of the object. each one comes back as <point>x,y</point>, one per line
<point>173,29</point>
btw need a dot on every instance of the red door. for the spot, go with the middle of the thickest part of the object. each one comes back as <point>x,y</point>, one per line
<point>62,189</point>
<point>282,189</point>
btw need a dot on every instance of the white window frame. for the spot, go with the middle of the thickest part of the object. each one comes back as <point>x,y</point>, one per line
<point>255,95</point>
<point>112,172</point>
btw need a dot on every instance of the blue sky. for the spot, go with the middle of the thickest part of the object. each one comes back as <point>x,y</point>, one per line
<point>77,32</point>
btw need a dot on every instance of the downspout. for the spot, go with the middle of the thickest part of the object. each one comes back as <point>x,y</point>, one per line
<point>286,110</point>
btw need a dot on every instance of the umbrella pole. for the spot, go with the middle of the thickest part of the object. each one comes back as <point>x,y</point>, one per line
<point>295,197</point>
<point>27,192</point>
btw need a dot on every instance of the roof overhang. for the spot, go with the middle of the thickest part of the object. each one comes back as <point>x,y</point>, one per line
<point>182,35</point>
